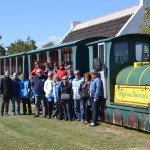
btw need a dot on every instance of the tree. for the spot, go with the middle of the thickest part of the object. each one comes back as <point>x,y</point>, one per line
<point>145,25</point>
<point>21,46</point>
<point>2,49</point>
<point>48,44</point>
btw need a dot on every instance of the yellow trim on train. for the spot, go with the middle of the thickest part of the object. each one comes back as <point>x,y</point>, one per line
<point>143,74</point>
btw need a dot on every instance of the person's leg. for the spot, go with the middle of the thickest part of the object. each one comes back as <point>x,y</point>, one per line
<point>6,106</point>
<point>29,106</point>
<point>18,106</point>
<point>94,110</point>
<point>48,108</point>
<point>68,108</point>
<point>64,109</point>
<point>24,106</point>
<point>13,105</point>
<point>2,105</point>
<point>60,111</point>
<point>77,109</point>
<point>43,101</point>
<point>37,105</point>
<point>81,110</point>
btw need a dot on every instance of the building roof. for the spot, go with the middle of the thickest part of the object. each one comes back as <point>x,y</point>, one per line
<point>105,26</point>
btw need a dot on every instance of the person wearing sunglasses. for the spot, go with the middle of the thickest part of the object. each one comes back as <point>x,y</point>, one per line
<point>38,87</point>
<point>65,94</point>
<point>78,102</point>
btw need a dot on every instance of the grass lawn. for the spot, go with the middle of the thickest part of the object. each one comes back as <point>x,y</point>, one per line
<point>29,133</point>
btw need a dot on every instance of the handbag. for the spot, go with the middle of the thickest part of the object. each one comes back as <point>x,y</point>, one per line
<point>65,96</point>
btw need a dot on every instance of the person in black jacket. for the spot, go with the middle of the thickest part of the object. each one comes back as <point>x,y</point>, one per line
<point>84,91</point>
<point>65,94</point>
<point>6,92</point>
<point>38,87</point>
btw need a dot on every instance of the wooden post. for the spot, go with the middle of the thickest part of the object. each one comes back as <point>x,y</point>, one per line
<point>29,63</point>
<point>4,65</point>
<point>47,55</point>
<point>74,52</point>
<point>59,55</point>
<point>37,56</point>
<point>10,67</point>
<point>91,58</point>
<point>17,64</point>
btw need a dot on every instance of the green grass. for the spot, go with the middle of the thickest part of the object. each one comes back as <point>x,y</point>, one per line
<point>29,133</point>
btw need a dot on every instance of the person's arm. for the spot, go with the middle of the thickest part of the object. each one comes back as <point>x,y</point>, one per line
<point>98,89</point>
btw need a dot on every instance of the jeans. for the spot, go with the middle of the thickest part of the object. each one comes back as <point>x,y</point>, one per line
<point>40,100</point>
<point>13,105</point>
<point>66,104</point>
<point>95,109</point>
<point>5,103</point>
<point>79,110</point>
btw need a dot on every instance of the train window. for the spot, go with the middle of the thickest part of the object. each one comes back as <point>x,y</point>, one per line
<point>142,51</point>
<point>121,52</point>
<point>67,56</point>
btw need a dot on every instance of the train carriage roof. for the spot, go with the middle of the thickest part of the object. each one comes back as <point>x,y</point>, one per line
<point>114,38</point>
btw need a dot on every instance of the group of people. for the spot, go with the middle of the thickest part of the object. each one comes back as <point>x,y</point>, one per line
<point>61,92</point>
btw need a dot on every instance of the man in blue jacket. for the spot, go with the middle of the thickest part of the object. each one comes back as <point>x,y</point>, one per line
<point>15,93</point>
<point>38,87</point>
<point>25,88</point>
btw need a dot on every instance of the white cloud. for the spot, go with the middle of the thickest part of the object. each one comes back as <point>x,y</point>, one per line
<point>39,44</point>
<point>55,39</point>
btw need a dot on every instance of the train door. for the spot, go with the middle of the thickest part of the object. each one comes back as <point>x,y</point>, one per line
<point>100,64</point>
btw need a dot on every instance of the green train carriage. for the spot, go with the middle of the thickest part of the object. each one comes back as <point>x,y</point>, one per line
<point>125,69</point>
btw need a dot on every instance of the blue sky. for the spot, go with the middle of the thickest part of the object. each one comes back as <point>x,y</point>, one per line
<point>50,20</point>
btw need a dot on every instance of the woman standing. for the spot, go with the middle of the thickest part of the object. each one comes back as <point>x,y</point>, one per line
<point>57,104</point>
<point>95,96</point>
<point>84,91</point>
<point>48,88</point>
<point>65,94</point>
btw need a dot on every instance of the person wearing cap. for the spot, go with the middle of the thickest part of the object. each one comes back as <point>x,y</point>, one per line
<point>61,71</point>
<point>51,66</point>
<point>95,96</point>
<point>48,88</point>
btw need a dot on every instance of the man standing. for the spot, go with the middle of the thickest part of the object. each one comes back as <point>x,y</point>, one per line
<point>16,93</point>
<point>25,89</point>
<point>78,102</point>
<point>6,92</point>
<point>38,87</point>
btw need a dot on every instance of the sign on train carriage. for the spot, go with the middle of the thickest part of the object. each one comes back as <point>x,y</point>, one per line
<point>135,95</point>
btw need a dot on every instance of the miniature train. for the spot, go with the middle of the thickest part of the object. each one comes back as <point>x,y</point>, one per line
<point>123,63</point>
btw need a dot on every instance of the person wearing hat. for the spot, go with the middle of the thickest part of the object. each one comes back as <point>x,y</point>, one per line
<point>95,96</point>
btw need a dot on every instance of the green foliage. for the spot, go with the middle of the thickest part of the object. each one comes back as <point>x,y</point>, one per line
<point>48,44</point>
<point>145,26</point>
<point>2,49</point>
<point>21,46</point>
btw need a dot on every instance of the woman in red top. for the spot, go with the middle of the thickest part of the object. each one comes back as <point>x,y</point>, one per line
<point>37,66</point>
<point>61,71</point>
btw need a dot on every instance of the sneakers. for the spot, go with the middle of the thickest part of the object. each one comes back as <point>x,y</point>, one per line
<point>93,124</point>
